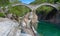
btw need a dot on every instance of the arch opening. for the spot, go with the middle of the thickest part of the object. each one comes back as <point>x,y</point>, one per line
<point>19,10</point>
<point>46,12</point>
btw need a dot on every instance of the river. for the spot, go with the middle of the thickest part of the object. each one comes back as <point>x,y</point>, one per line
<point>48,29</point>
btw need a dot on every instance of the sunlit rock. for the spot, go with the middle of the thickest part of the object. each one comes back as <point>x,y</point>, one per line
<point>9,27</point>
<point>28,22</point>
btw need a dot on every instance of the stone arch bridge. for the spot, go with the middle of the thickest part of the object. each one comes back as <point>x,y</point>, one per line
<point>34,7</point>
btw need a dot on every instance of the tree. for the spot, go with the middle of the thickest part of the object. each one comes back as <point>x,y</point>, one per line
<point>4,2</point>
<point>19,10</point>
<point>7,2</point>
<point>43,1</point>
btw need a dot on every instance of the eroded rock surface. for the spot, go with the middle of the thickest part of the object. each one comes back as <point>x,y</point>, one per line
<point>9,27</point>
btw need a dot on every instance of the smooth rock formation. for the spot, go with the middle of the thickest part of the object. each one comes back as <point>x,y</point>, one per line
<point>9,27</point>
<point>27,24</point>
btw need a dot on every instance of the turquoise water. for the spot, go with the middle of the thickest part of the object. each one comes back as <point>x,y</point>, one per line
<point>48,29</point>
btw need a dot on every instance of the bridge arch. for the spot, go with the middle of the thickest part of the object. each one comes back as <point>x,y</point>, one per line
<point>18,4</point>
<point>18,7</point>
<point>48,4</point>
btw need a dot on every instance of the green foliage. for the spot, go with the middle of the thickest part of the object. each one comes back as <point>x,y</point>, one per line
<point>19,10</point>
<point>44,9</point>
<point>14,1</point>
<point>7,2</point>
<point>43,1</point>
<point>4,2</point>
<point>2,15</point>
